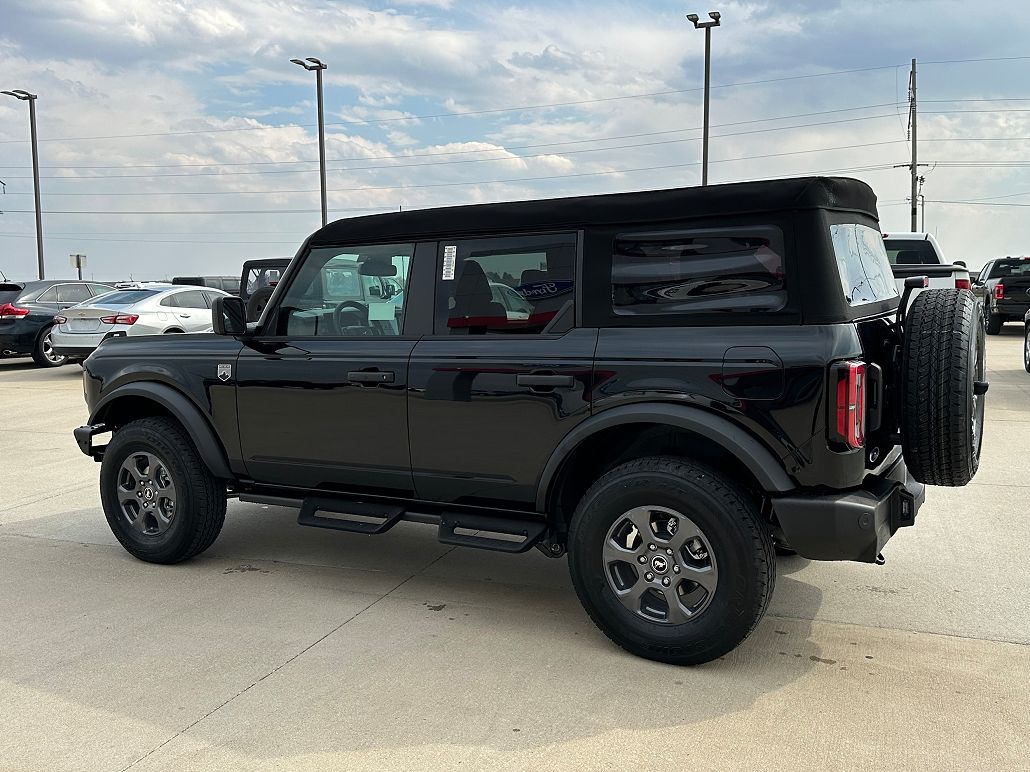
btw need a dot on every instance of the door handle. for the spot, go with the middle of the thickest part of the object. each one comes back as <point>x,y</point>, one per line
<point>545,381</point>
<point>185,316</point>
<point>371,377</point>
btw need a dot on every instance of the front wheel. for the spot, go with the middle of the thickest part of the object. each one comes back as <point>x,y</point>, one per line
<point>161,501</point>
<point>671,560</point>
<point>43,353</point>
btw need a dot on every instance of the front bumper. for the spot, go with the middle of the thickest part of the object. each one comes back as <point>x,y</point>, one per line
<point>853,524</point>
<point>84,439</point>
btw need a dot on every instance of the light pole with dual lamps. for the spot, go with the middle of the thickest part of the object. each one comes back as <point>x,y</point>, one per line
<point>707,27</point>
<point>309,64</point>
<point>25,96</point>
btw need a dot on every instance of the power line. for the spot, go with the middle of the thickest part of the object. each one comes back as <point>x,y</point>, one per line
<point>462,113</point>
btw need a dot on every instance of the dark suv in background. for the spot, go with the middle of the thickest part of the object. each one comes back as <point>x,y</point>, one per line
<point>1003,286</point>
<point>27,311</point>
<point>693,378</point>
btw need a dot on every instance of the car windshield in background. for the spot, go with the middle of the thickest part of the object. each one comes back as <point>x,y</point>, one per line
<point>1015,267</point>
<point>865,272</point>
<point>911,252</point>
<point>124,297</point>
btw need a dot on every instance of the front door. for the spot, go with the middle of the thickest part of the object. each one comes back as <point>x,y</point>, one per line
<point>321,389</point>
<point>499,384</point>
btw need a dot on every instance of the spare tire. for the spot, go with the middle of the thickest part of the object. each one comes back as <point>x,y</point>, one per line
<point>943,386</point>
<point>257,302</point>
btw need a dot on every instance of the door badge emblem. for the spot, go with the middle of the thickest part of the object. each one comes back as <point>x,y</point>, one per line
<point>224,372</point>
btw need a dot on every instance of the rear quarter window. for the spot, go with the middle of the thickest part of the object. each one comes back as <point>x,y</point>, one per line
<point>911,252</point>
<point>724,271</point>
<point>865,271</point>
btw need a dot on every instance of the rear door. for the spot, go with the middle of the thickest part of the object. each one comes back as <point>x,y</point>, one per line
<point>192,310</point>
<point>491,394</point>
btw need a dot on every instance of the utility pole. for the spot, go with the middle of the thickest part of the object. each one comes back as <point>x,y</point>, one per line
<point>707,27</point>
<point>913,126</point>
<point>309,64</point>
<point>25,96</point>
<point>922,204</point>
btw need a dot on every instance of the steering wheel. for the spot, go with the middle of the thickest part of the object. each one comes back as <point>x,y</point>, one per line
<point>360,307</point>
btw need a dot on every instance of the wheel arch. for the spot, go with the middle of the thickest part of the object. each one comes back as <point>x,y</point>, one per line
<point>144,399</point>
<point>623,433</point>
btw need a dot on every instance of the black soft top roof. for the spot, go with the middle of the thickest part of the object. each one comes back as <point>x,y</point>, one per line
<point>840,193</point>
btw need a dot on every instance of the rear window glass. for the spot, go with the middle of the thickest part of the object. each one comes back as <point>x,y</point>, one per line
<point>1003,268</point>
<point>126,297</point>
<point>865,271</point>
<point>9,296</point>
<point>697,272</point>
<point>911,252</point>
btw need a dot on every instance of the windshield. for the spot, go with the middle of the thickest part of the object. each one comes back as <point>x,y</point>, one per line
<point>911,252</point>
<point>1015,267</point>
<point>123,297</point>
<point>865,271</point>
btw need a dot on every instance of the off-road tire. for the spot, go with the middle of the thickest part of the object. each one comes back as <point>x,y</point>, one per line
<point>731,523</point>
<point>1026,348</point>
<point>200,497</point>
<point>39,355</point>
<point>257,302</point>
<point>992,322</point>
<point>942,361</point>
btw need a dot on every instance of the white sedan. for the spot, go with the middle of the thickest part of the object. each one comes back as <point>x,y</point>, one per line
<point>151,309</point>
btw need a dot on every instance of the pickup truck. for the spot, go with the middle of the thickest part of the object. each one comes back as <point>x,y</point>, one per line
<point>919,254</point>
<point>1004,287</point>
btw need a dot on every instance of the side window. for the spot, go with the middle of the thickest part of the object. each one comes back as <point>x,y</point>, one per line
<point>72,293</point>
<point>209,297</point>
<point>710,271</point>
<point>48,296</point>
<point>509,284</point>
<point>169,301</point>
<point>190,299</point>
<point>100,289</point>
<point>339,291</point>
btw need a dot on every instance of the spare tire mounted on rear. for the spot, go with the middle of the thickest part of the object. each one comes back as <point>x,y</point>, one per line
<point>942,387</point>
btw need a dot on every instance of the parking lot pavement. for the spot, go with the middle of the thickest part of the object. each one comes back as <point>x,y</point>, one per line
<point>295,648</point>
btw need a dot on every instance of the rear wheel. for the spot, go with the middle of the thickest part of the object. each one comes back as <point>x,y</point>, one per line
<point>671,560</point>
<point>161,502</point>
<point>43,353</point>
<point>257,302</point>
<point>1026,348</point>
<point>992,322</point>
<point>943,387</point>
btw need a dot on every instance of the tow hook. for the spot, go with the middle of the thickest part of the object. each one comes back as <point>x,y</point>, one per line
<point>880,559</point>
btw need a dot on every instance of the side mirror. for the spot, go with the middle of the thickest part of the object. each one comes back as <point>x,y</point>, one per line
<point>229,316</point>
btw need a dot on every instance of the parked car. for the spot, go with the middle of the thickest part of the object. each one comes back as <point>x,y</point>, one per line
<point>154,309</point>
<point>919,254</point>
<point>230,284</point>
<point>704,374</point>
<point>258,281</point>
<point>27,312</point>
<point>1004,287</point>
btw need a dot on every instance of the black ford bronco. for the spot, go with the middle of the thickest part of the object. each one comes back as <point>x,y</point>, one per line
<point>668,385</point>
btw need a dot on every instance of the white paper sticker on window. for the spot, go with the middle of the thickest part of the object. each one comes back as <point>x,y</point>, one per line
<point>450,255</point>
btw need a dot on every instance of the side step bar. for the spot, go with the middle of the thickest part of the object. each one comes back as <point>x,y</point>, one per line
<point>466,529</point>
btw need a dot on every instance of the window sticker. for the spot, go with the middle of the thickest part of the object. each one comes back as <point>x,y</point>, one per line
<point>450,255</point>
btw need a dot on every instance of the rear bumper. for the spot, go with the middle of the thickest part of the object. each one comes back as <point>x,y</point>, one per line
<point>79,345</point>
<point>853,524</point>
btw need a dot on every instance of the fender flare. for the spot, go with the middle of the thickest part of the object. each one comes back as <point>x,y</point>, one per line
<point>766,468</point>
<point>184,411</point>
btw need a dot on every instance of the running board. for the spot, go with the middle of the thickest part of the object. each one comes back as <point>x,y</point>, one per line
<point>359,517</point>
<point>527,535</point>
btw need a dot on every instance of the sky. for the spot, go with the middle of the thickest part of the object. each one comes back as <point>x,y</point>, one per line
<point>175,136</point>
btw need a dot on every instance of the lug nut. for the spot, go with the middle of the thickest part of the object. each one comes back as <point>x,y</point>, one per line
<point>642,559</point>
<point>665,581</point>
<point>651,547</point>
<point>668,550</point>
<point>649,577</point>
<point>676,569</point>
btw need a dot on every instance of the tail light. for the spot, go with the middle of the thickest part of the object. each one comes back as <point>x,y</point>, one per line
<point>120,319</point>
<point>850,408</point>
<point>962,284</point>
<point>60,319</point>
<point>999,291</point>
<point>11,311</point>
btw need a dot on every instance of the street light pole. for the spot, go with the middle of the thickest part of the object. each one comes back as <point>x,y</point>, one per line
<point>309,64</point>
<point>707,27</point>
<point>25,96</point>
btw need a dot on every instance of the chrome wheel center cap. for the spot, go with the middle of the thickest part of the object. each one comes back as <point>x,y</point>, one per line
<point>659,564</point>
<point>148,494</point>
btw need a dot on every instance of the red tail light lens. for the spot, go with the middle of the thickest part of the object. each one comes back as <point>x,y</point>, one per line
<point>850,407</point>
<point>120,319</point>
<point>11,311</point>
<point>60,319</point>
<point>999,291</point>
<point>962,284</point>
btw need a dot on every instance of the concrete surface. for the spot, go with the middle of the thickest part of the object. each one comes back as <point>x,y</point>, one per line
<point>292,648</point>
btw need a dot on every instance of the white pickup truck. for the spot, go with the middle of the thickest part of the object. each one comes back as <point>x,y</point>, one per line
<point>919,254</point>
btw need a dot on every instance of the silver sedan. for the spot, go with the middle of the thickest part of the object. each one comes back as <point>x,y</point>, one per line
<point>150,309</point>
